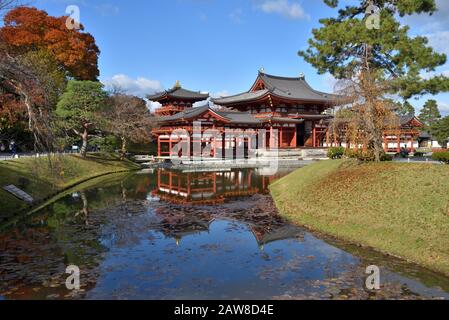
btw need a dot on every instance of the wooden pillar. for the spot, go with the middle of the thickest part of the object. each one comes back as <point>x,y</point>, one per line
<point>399,142</point>
<point>281,134</point>
<point>295,137</point>
<point>271,138</point>
<point>159,146</point>
<point>412,148</point>
<point>223,145</point>
<point>314,134</point>
<point>327,138</point>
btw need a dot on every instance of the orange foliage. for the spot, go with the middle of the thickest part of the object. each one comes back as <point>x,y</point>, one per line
<point>29,28</point>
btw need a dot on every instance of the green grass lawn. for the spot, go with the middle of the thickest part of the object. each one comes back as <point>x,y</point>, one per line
<point>43,177</point>
<point>397,208</point>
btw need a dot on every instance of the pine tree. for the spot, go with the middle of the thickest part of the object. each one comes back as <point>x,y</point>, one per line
<point>405,109</point>
<point>430,114</point>
<point>375,61</point>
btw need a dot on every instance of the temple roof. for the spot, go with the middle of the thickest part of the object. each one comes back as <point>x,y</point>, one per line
<point>178,93</point>
<point>410,119</point>
<point>234,117</point>
<point>281,87</point>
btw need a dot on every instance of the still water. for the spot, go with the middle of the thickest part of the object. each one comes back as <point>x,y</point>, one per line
<point>179,235</point>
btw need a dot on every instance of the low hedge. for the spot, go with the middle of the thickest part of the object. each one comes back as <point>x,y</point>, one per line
<point>336,153</point>
<point>442,156</point>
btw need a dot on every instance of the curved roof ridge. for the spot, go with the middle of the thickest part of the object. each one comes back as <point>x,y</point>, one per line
<point>279,77</point>
<point>241,94</point>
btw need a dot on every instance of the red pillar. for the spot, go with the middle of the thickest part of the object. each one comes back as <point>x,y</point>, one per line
<point>314,134</point>
<point>159,146</point>
<point>281,134</point>
<point>295,138</point>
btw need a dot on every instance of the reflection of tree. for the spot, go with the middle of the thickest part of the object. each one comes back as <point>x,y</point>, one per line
<point>85,210</point>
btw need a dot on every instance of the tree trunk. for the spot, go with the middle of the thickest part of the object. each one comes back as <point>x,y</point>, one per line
<point>123,151</point>
<point>85,137</point>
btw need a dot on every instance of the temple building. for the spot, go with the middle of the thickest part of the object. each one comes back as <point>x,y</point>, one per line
<point>407,136</point>
<point>176,100</point>
<point>276,113</point>
<point>289,112</point>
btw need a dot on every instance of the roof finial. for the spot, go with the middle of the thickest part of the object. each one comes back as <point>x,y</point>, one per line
<point>262,70</point>
<point>177,85</point>
<point>302,76</point>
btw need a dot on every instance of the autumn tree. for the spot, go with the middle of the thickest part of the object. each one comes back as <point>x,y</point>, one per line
<point>28,93</point>
<point>129,119</point>
<point>430,114</point>
<point>376,62</point>
<point>26,29</point>
<point>79,109</point>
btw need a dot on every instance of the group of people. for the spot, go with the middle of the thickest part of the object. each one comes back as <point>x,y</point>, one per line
<point>12,147</point>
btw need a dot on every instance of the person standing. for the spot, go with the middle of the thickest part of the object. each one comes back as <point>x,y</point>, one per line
<point>13,148</point>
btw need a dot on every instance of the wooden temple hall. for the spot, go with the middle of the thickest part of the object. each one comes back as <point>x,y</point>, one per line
<point>276,112</point>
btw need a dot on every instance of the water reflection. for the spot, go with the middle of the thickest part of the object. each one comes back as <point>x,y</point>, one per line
<point>210,188</point>
<point>178,235</point>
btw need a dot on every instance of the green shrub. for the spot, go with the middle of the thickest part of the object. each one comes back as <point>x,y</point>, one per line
<point>442,156</point>
<point>335,153</point>
<point>108,143</point>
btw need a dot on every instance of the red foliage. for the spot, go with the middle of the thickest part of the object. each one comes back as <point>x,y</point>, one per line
<point>29,28</point>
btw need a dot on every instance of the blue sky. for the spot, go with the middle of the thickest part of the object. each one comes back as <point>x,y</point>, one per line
<point>215,45</point>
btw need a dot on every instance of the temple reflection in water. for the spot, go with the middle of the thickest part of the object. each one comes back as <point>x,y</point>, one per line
<point>210,188</point>
<point>200,198</point>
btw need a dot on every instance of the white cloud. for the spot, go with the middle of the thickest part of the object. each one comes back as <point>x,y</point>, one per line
<point>435,27</point>
<point>444,107</point>
<point>330,82</point>
<point>220,94</point>
<point>152,106</point>
<point>439,41</point>
<point>428,75</point>
<point>236,16</point>
<point>292,10</point>
<point>139,87</point>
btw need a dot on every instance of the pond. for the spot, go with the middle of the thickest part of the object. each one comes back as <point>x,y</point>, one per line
<point>180,235</point>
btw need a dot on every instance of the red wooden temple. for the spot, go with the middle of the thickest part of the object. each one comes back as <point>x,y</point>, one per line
<point>287,110</point>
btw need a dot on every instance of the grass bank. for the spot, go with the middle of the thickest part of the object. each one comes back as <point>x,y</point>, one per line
<point>44,177</point>
<point>397,208</point>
